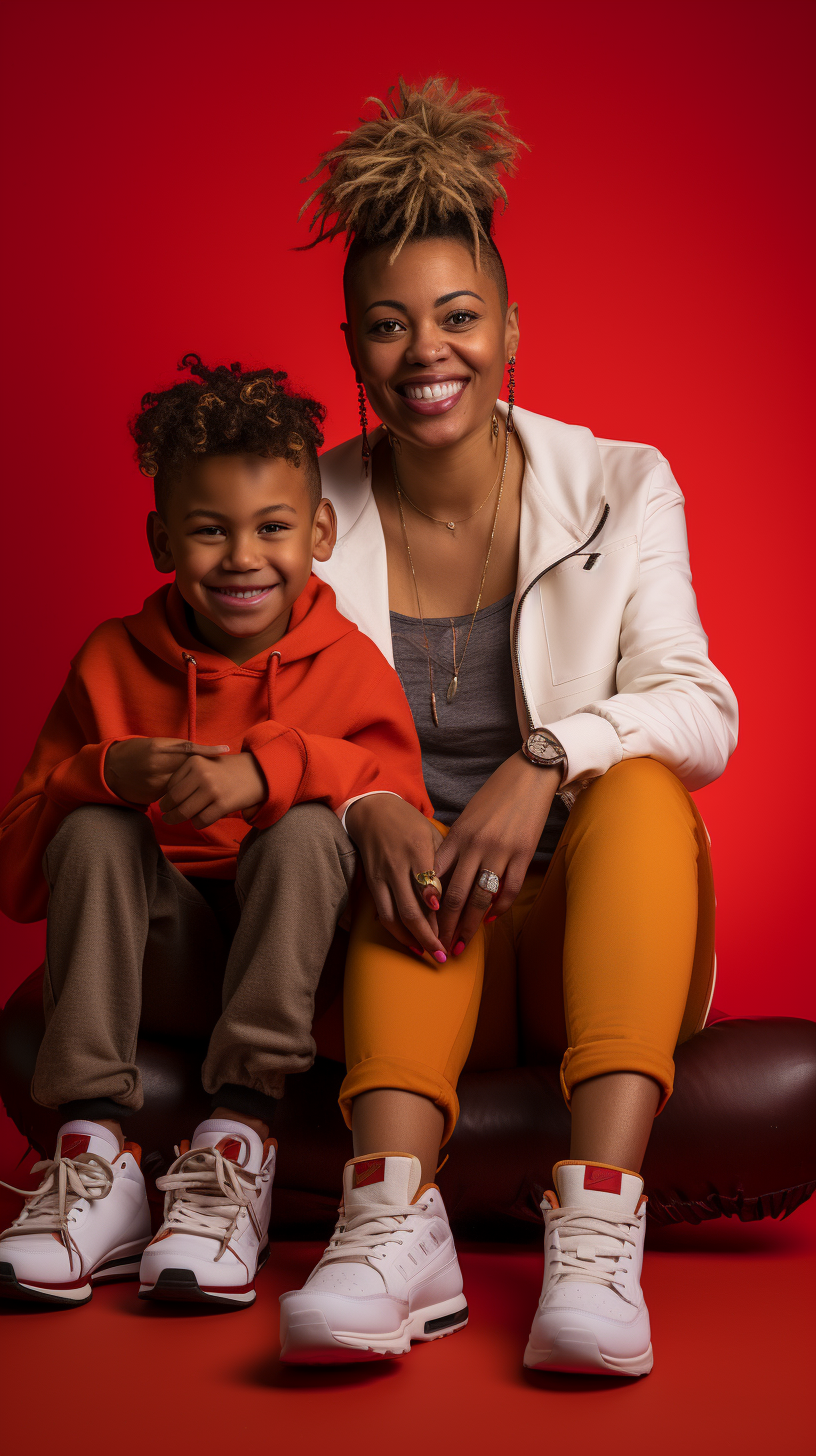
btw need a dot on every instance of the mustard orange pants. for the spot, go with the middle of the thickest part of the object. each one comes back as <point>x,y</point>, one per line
<point>605,961</point>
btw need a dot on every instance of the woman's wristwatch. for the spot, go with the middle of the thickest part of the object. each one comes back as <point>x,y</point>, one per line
<point>544,750</point>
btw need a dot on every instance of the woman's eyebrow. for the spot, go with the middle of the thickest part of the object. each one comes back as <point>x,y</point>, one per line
<point>438,302</point>
<point>460,293</point>
<point>387,303</point>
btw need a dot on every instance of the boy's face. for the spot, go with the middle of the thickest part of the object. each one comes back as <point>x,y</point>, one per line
<point>240,533</point>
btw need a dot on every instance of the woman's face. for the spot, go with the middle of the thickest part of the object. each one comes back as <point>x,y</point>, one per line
<point>430,339</point>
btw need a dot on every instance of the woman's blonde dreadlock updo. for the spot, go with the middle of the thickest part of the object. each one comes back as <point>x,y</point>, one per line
<point>426,166</point>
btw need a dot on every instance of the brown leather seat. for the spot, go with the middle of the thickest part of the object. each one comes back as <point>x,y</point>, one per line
<point>736,1138</point>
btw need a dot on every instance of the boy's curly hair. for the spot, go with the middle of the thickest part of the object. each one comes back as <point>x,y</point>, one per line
<point>227,411</point>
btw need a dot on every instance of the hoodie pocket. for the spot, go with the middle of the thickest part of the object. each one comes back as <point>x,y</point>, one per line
<point>582,603</point>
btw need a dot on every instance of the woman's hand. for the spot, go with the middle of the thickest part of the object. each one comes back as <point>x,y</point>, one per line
<point>498,830</point>
<point>396,842</point>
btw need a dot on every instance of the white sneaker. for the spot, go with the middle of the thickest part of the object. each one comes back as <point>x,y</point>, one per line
<point>389,1276</point>
<point>217,1200</point>
<point>592,1315</point>
<point>85,1224</point>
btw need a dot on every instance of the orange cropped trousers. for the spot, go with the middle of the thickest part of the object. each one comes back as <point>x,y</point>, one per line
<point>605,961</point>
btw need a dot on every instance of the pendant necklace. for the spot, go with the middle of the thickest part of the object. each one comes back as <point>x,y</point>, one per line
<point>437,520</point>
<point>457,667</point>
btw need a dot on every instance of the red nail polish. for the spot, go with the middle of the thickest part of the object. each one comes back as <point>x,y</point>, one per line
<point>434,903</point>
<point>490,919</point>
<point>439,955</point>
<point>459,947</point>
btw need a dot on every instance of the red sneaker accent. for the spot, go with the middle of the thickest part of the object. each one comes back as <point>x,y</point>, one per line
<point>230,1148</point>
<point>73,1144</point>
<point>372,1171</point>
<point>602,1180</point>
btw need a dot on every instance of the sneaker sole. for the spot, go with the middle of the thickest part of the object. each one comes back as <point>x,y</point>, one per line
<point>67,1296</point>
<point>576,1352</point>
<point>310,1341</point>
<point>179,1286</point>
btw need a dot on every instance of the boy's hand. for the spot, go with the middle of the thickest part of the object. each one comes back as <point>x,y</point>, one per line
<point>140,769</point>
<point>203,790</point>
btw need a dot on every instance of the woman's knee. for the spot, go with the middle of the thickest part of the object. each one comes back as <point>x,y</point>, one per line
<point>638,789</point>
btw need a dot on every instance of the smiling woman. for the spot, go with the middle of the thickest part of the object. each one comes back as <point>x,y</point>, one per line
<point>580,707</point>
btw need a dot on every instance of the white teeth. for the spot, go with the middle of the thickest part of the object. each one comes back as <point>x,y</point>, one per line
<point>243,595</point>
<point>434,391</point>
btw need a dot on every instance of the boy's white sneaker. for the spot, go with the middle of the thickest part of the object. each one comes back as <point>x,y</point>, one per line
<point>217,1201</point>
<point>389,1276</point>
<point>592,1316</point>
<point>86,1223</point>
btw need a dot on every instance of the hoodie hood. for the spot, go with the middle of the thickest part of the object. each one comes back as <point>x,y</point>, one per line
<point>161,627</point>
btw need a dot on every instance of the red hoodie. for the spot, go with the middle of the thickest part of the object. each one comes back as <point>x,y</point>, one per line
<point>323,713</point>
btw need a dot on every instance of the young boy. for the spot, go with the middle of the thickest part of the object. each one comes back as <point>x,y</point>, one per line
<point>214,737</point>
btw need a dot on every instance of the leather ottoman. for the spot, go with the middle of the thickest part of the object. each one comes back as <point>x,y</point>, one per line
<point>736,1138</point>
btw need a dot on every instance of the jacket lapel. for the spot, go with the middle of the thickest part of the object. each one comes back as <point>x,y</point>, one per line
<point>358,569</point>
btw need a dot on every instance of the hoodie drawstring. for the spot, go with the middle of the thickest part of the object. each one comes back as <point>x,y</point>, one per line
<point>191,696</point>
<point>272,665</point>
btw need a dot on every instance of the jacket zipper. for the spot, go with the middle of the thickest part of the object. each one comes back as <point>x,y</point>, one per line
<point>525,594</point>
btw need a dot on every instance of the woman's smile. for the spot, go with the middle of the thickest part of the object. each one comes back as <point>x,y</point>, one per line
<point>432,396</point>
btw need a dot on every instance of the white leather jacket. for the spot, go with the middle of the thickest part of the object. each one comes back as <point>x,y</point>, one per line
<point>608,650</point>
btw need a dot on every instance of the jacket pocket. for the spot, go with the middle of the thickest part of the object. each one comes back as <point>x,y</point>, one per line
<point>582,603</point>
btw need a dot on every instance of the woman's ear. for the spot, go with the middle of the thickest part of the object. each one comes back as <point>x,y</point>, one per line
<point>511,331</point>
<point>324,531</point>
<point>159,542</point>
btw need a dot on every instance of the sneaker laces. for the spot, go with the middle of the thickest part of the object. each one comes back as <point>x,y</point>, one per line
<point>204,1193</point>
<point>359,1238</point>
<point>65,1182</point>
<point>589,1249</point>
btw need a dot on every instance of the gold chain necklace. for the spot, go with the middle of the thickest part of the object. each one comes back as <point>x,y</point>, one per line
<point>457,668</point>
<point>451,525</point>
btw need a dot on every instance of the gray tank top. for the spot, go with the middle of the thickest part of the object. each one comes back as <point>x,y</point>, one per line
<point>479,728</point>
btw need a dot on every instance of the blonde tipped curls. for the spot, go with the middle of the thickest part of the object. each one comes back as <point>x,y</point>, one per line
<point>429,155</point>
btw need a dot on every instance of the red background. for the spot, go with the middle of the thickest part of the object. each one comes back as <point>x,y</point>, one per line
<point>658,240</point>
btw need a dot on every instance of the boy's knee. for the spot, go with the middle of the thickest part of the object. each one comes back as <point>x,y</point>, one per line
<point>99,830</point>
<point>306,832</point>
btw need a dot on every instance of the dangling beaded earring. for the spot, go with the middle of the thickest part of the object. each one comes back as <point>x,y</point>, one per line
<point>494,426</point>
<point>366,448</point>
<point>511,394</point>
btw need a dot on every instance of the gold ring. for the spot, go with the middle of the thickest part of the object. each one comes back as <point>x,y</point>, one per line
<point>426,878</point>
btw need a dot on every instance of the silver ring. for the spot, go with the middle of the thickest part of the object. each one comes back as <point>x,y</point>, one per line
<point>489,881</point>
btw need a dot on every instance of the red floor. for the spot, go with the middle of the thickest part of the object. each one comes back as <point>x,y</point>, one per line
<point>731,1308</point>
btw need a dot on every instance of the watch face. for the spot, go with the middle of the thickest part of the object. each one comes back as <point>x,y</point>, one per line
<point>544,748</point>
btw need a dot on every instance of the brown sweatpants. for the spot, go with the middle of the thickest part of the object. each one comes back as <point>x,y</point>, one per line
<point>122,920</point>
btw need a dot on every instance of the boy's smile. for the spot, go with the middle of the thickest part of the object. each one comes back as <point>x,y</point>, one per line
<point>241,532</point>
